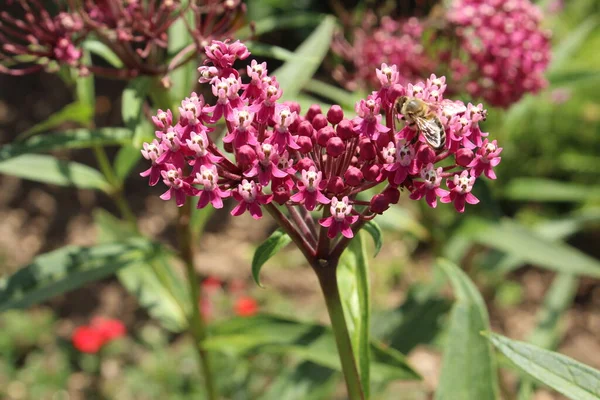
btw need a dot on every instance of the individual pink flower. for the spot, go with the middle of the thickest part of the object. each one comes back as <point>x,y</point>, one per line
<point>340,219</point>
<point>430,186</point>
<point>249,196</point>
<point>210,192</point>
<point>282,138</point>
<point>460,191</point>
<point>310,187</point>
<point>404,164</point>
<point>266,165</point>
<point>486,158</point>
<point>177,185</point>
<point>152,152</point>
<point>244,132</point>
<point>198,145</point>
<point>369,118</point>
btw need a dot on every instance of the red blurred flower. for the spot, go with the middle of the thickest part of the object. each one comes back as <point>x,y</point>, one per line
<point>246,306</point>
<point>109,328</point>
<point>88,339</point>
<point>211,284</point>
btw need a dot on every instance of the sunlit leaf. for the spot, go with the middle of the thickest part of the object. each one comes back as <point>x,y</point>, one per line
<point>373,229</point>
<point>77,112</point>
<point>69,139</point>
<point>48,169</point>
<point>354,288</point>
<point>267,249</point>
<point>100,49</point>
<point>296,72</point>
<point>468,367</point>
<point>269,50</point>
<point>538,189</point>
<point>305,381</point>
<point>565,375</point>
<point>68,268</point>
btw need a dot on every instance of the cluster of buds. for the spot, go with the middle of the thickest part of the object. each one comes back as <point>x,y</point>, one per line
<point>275,155</point>
<point>136,31</point>
<point>392,42</point>
<point>494,50</point>
<point>507,50</point>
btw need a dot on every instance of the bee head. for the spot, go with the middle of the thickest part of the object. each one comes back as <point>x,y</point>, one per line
<point>399,103</point>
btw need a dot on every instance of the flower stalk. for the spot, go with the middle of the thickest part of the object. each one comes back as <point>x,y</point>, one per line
<point>197,324</point>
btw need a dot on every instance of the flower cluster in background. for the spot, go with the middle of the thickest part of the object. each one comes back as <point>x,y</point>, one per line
<point>135,31</point>
<point>274,154</point>
<point>494,50</point>
<point>91,338</point>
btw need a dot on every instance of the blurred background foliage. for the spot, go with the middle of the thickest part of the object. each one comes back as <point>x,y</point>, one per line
<point>541,214</point>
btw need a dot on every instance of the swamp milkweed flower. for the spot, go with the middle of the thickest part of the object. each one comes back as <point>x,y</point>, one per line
<point>313,160</point>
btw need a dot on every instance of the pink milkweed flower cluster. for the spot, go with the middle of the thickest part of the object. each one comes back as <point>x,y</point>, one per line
<point>274,154</point>
<point>136,31</point>
<point>495,50</point>
<point>392,42</point>
<point>507,50</point>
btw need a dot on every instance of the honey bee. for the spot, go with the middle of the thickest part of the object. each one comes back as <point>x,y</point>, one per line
<point>418,113</point>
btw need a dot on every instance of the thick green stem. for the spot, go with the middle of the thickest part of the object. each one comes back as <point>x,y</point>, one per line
<point>328,280</point>
<point>197,324</point>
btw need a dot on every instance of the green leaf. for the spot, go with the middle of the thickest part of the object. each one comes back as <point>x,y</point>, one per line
<point>376,233</point>
<point>417,321</point>
<point>199,219</point>
<point>563,374</point>
<point>152,281</point>
<point>354,288</point>
<point>48,169</point>
<point>263,334</point>
<point>183,78</point>
<point>468,367</point>
<point>305,381</point>
<point>295,73</point>
<point>269,50</point>
<point>337,95</point>
<point>68,268</point>
<point>77,112</point>
<point>70,139</point>
<point>132,102</point>
<point>267,249</point>
<point>516,240</point>
<point>129,155</point>
<point>565,78</point>
<point>401,220</point>
<point>563,53</point>
<point>536,189</point>
<point>270,24</point>
<point>84,85</point>
<point>100,49</point>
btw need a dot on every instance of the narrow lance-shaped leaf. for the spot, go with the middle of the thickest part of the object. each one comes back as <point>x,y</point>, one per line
<point>70,139</point>
<point>49,169</point>
<point>565,375</point>
<point>296,72</point>
<point>100,49</point>
<point>68,268</point>
<point>376,233</point>
<point>266,250</point>
<point>353,281</point>
<point>468,367</point>
<point>78,112</point>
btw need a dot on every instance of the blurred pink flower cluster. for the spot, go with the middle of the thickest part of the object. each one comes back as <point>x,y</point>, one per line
<point>494,50</point>
<point>272,153</point>
<point>133,30</point>
<point>507,50</point>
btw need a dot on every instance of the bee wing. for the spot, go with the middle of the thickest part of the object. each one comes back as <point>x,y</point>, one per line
<point>450,108</point>
<point>432,131</point>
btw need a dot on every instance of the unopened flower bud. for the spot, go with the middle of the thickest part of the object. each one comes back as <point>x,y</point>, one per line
<point>335,147</point>
<point>464,156</point>
<point>294,106</point>
<point>319,121</point>
<point>305,129</point>
<point>335,185</point>
<point>392,194</point>
<point>371,172</point>
<point>305,143</point>
<point>315,109</point>
<point>324,134</point>
<point>367,150</point>
<point>228,147</point>
<point>304,164</point>
<point>281,194</point>
<point>245,155</point>
<point>396,91</point>
<point>379,203</point>
<point>345,129</point>
<point>335,114</point>
<point>353,176</point>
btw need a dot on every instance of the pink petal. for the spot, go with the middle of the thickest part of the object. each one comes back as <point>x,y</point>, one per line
<point>166,195</point>
<point>326,222</point>
<point>471,199</point>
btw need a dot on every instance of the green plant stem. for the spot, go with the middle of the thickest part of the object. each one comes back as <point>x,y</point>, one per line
<point>329,286</point>
<point>197,324</point>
